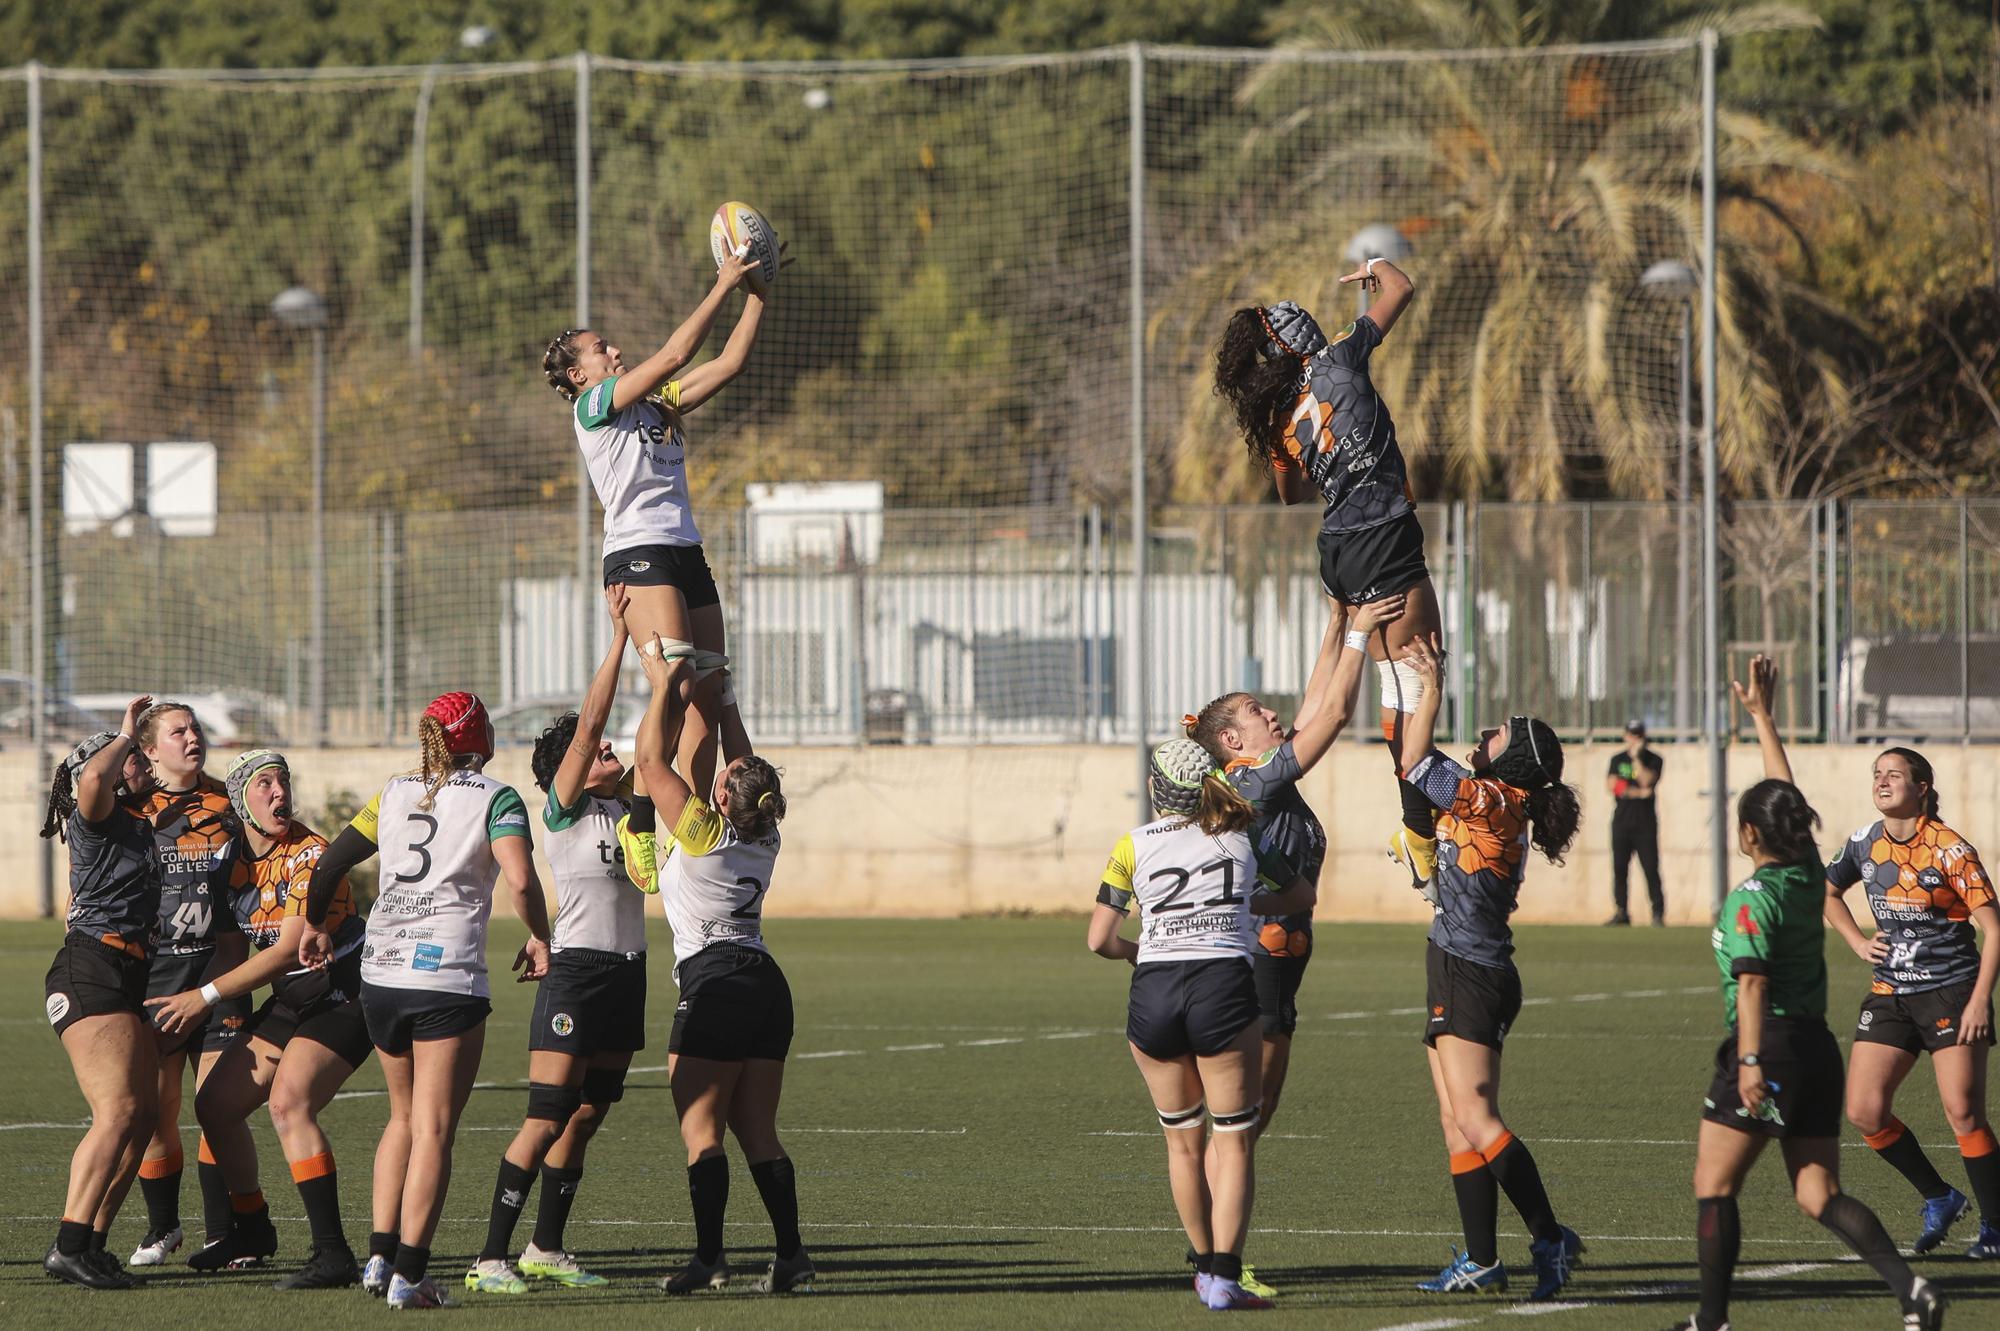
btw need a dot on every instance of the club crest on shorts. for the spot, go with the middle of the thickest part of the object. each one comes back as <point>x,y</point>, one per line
<point>638,566</point>
<point>561,1024</point>
<point>58,1008</point>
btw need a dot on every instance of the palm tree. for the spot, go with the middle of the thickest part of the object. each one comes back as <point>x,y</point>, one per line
<point>1536,183</point>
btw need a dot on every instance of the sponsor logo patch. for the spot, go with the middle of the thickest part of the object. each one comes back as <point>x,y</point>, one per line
<point>427,957</point>
<point>561,1024</point>
<point>58,1008</point>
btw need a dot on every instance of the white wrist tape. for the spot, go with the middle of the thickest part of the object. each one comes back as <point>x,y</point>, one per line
<point>1357,640</point>
<point>210,994</point>
<point>1369,267</point>
<point>1402,686</point>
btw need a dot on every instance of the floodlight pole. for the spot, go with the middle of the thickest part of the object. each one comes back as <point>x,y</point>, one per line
<point>1136,351</point>
<point>316,667</point>
<point>39,543</point>
<point>1718,763</point>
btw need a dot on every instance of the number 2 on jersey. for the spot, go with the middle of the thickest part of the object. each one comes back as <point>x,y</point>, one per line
<point>417,848</point>
<point>748,910</point>
<point>1172,901</point>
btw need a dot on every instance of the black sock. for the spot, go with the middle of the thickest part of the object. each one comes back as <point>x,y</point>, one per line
<point>1226,1266</point>
<point>216,1212</point>
<point>73,1238</point>
<point>708,1189</point>
<point>778,1185</point>
<point>1478,1208</point>
<point>163,1201</point>
<point>322,1201</point>
<point>1860,1230</point>
<point>1514,1170</point>
<point>1983,1172</point>
<point>1718,1238</point>
<point>1419,814</point>
<point>1204,1262</point>
<point>510,1194</point>
<point>552,1212</point>
<point>1904,1152</point>
<point>412,1263</point>
<point>383,1244</point>
<point>99,1239</point>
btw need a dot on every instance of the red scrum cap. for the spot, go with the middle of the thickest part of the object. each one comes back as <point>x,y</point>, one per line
<point>467,729</point>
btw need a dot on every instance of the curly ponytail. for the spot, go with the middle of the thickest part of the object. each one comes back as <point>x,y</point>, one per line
<point>1921,773</point>
<point>1554,815</point>
<point>62,803</point>
<point>550,748</point>
<point>1261,388</point>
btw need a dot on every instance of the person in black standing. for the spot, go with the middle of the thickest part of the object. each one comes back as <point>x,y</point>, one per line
<point>1635,826</point>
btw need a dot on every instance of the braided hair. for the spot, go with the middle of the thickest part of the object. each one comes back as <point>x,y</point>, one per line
<point>438,762</point>
<point>560,359</point>
<point>62,803</point>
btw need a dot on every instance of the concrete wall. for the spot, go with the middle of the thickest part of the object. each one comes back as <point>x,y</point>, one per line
<point>954,830</point>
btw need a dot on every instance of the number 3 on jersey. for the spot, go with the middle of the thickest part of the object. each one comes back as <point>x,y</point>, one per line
<point>748,910</point>
<point>418,848</point>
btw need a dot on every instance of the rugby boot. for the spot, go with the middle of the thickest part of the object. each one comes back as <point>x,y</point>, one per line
<point>1554,1261</point>
<point>156,1247</point>
<point>698,1275</point>
<point>376,1275</point>
<point>495,1275</point>
<point>1923,1310</point>
<point>417,1296</point>
<point>1987,1245</point>
<point>1940,1214</point>
<point>1465,1276</point>
<point>788,1275</point>
<point>78,1269</point>
<point>557,1266</point>
<point>1226,1296</point>
<point>325,1268</point>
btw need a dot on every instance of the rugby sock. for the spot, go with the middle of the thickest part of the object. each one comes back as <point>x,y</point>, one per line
<point>1860,1230</point>
<point>1204,1262</point>
<point>552,1211</point>
<point>778,1185</point>
<point>1718,1238</point>
<point>1419,814</point>
<point>383,1245</point>
<point>1514,1170</point>
<point>1226,1266</point>
<point>73,1237</point>
<point>412,1263</point>
<point>215,1208</point>
<point>708,1189</point>
<point>1478,1205</point>
<point>160,1184</point>
<point>510,1194</point>
<point>99,1239</point>
<point>319,1189</point>
<point>1898,1145</point>
<point>1982,1166</point>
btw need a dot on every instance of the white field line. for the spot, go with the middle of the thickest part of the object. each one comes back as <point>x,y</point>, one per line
<point>1537,1001</point>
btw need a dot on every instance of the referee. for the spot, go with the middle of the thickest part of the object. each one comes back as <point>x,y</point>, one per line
<point>1635,826</point>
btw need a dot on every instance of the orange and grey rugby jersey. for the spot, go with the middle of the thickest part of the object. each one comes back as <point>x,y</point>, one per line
<point>1341,435</point>
<point>276,890</point>
<point>1482,852</point>
<point>200,863</point>
<point>1923,892</point>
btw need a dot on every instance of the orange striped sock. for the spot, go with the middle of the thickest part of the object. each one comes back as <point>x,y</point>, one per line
<point>162,1167</point>
<point>1977,1143</point>
<point>247,1203</point>
<point>1464,1162</point>
<point>1499,1144</point>
<point>312,1167</point>
<point>1891,1133</point>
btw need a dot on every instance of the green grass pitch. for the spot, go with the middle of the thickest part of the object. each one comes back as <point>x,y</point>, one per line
<point>974,1147</point>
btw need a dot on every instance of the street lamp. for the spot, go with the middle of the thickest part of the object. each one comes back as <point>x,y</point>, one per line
<point>469,39</point>
<point>302,309</point>
<point>1677,281</point>
<point>1378,240</point>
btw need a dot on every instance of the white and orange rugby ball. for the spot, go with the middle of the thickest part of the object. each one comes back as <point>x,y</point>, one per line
<point>736,225</point>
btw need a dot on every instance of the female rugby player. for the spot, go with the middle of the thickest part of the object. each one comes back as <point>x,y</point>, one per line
<point>446,833</point>
<point>1932,990</point>
<point>629,424</point>
<point>733,1025</point>
<point>201,864</point>
<point>96,988</point>
<point>590,1012</point>
<point>1778,1073</point>
<point>308,1037</point>
<point>1510,793</point>
<point>1192,1019</point>
<point>1309,411</point>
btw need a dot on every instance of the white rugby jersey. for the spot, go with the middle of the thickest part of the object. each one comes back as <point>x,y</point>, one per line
<point>637,460</point>
<point>596,907</point>
<point>714,884</point>
<point>1193,890</point>
<point>428,927</point>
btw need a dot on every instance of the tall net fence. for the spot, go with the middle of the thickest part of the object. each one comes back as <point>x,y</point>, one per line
<point>919,498</point>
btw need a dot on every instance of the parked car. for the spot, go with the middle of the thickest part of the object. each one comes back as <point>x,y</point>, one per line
<point>230,718</point>
<point>523,721</point>
<point>66,721</point>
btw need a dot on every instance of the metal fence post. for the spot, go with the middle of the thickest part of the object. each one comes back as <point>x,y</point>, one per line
<point>1965,619</point>
<point>1461,639</point>
<point>38,536</point>
<point>1136,348</point>
<point>585,564</point>
<point>1831,617</point>
<point>420,136</point>
<point>388,585</point>
<point>1711,678</point>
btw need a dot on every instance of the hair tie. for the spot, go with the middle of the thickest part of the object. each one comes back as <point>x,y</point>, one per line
<point>1189,721</point>
<point>764,799</point>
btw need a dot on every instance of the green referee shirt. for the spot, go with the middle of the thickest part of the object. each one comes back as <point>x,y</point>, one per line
<point>1772,925</point>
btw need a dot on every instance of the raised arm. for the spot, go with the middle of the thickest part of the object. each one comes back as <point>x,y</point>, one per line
<point>1758,699</point>
<point>647,376</point>
<point>1420,730</point>
<point>97,784</point>
<point>659,736</point>
<point>704,381</point>
<point>729,719</point>
<point>1332,713</point>
<point>595,713</point>
<point>1391,288</point>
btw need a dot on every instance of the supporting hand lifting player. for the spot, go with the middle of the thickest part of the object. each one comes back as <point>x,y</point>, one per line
<point>1192,1017</point>
<point>1932,989</point>
<point>1778,1075</point>
<point>590,1010</point>
<point>97,985</point>
<point>1308,409</point>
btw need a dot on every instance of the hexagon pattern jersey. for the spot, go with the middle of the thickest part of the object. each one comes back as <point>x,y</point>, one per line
<point>1923,892</point>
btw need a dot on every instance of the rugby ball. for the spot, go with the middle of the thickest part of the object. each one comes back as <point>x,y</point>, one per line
<point>736,225</point>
